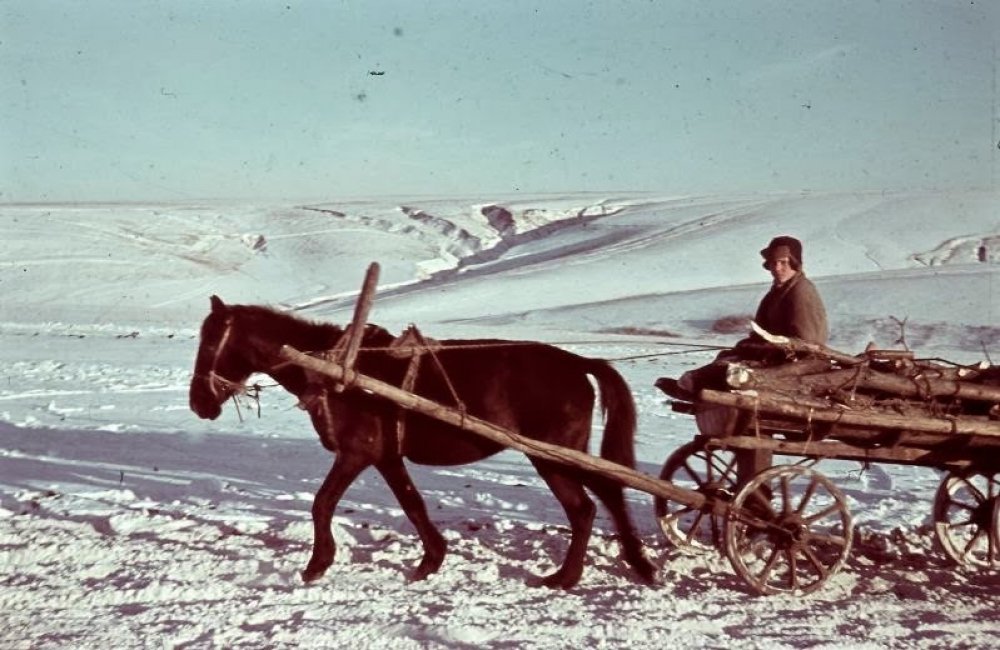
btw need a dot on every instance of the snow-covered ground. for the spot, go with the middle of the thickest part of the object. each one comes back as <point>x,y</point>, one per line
<point>125,521</point>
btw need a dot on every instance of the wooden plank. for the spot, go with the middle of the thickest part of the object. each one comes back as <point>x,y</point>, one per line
<point>789,409</point>
<point>535,448</point>
<point>356,329</point>
<point>843,451</point>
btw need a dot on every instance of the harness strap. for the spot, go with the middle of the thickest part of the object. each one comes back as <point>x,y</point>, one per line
<point>412,344</point>
<point>409,381</point>
<point>315,402</point>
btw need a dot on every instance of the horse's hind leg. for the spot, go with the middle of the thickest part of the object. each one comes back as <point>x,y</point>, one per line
<point>340,477</point>
<point>612,496</point>
<point>580,511</point>
<point>402,486</point>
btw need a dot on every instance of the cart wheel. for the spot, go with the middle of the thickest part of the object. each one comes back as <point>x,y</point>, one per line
<point>967,517</point>
<point>788,531</point>
<point>712,472</point>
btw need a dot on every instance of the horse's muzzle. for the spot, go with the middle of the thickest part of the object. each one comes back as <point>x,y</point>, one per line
<point>206,411</point>
<point>203,398</point>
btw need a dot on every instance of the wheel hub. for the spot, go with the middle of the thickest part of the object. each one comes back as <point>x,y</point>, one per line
<point>790,531</point>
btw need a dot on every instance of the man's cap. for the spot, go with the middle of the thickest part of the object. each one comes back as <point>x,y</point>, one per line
<point>784,245</point>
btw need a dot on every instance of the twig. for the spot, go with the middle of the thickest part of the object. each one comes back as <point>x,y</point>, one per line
<point>902,332</point>
<point>986,352</point>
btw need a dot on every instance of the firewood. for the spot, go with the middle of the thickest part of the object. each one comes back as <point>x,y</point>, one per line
<point>921,386</point>
<point>789,408</point>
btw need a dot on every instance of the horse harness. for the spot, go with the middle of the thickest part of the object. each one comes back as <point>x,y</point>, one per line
<point>412,345</point>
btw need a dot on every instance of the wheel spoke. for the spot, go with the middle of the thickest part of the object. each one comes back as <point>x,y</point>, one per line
<point>807,496</point>
<point>833,507</point>
<point>764,502</point>
<point>972,489</point>
<point>961,524</point>
<point>693,474</point>
<point>814,560</point>
<point>694,527</point>
<point>673,516</point>
<point>793,566</point>
<point>754,522</point>
<point>963,506</point>
<point>706,457</point>
<point>765,573</point>
<point>725,469</point>
<point>785,495</point>
<point>967,551</point>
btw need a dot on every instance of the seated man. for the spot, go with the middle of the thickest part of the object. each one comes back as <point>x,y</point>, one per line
<point>792,307</point>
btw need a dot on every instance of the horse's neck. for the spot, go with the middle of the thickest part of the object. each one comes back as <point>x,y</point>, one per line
<point>265,343</point>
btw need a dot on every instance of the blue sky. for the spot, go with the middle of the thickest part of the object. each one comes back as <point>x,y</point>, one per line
<point>140,100</point>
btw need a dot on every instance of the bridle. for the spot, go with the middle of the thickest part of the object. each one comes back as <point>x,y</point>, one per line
<point>216,382</point>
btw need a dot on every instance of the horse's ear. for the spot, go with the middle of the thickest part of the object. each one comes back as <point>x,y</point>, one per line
<point>217,304</point>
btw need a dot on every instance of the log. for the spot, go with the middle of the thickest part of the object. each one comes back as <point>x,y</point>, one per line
<point>863,378</point>
<point>796,429</point>
<point>500,435</point>
<point>798,345</point>
<point>789,409</point>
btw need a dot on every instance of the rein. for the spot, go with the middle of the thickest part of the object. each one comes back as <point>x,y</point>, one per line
<point>694,348</point>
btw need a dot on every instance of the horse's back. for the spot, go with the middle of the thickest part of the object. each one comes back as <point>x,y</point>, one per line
<point>534,389</point>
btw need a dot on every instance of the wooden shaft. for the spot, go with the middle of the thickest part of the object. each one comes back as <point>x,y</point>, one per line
<point>507,438</point>
<point>357,328</point>
<point>764,404</point>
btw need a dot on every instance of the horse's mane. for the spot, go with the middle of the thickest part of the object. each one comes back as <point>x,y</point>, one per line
<point>305,334</point>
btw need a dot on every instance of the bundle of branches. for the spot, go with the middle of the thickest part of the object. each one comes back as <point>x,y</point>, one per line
<point>878,388</point>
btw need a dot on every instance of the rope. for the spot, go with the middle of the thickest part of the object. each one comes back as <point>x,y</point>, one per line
<point>252,392</point>
<point>417,349</point>
<point>712,348</point>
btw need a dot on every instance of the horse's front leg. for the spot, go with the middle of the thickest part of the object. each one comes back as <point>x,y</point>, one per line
<point>395,474</point>
<point>340,477</point>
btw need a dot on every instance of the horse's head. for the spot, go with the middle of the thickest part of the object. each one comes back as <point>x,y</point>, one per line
<point>221,366</point>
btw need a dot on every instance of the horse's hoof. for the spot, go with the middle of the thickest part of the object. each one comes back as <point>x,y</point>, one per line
<point>424,569</point>
<point>647,571</point>
<point>558,580</point>
<point>312,574</point>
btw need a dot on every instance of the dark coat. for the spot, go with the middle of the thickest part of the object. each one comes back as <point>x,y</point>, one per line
<point>794,309</point>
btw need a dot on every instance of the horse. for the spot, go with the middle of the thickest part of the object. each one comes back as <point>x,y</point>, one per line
<point>538,390</point>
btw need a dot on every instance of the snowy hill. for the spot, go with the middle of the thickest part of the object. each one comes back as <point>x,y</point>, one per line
<point>125,520</point>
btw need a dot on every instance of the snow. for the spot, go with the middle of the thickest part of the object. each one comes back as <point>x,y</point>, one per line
<point>126,521</point>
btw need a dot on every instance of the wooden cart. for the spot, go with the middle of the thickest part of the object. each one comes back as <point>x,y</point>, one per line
<point>815,536</point>
<point>922,419</point>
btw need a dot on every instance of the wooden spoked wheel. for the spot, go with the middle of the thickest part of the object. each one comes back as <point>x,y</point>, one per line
<point>788,530</point>
<point>711,472</point>
<point>967,517</point>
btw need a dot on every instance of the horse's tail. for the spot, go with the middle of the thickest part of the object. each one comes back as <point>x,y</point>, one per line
<point>618,406</point>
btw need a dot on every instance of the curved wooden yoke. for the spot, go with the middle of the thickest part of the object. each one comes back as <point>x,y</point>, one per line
<point>356,330</point>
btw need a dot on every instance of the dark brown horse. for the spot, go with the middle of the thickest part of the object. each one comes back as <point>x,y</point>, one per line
<point>535,389</point>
